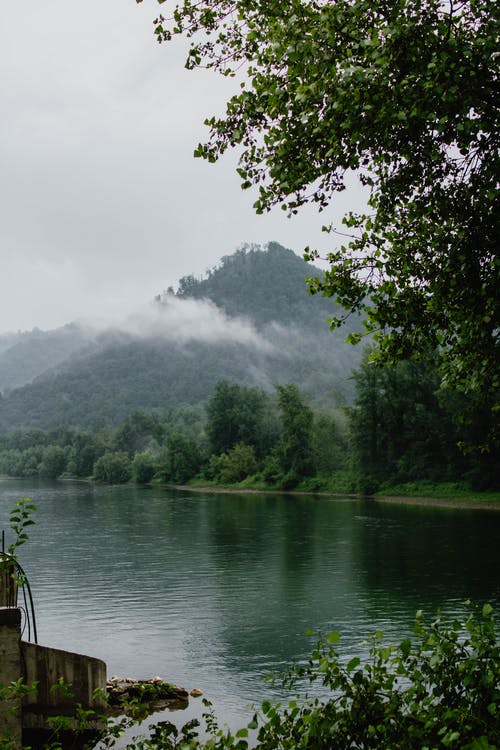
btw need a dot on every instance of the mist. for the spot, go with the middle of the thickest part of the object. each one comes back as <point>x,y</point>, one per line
<point>179,321</point>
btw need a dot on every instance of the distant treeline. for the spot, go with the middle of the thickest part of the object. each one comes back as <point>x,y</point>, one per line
<point>277,333</point>
<point>403,427</point>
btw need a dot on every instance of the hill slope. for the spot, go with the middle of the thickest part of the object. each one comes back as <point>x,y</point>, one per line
<point>24,356</point>
<point>260,327</point>
<point>264,286</point>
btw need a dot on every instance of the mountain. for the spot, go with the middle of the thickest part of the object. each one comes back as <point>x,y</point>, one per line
<point>25,355</point>
<point>250,320</point>
<point>264,286</point>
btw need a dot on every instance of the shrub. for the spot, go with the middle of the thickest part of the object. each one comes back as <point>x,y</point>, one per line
<point>441,691</point>
<point>143,467</point>
<point>53,462</point>
<point>233,466</point>
<point>113,468</point>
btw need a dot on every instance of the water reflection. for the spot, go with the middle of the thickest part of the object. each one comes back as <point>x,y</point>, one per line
<point>216,590</point>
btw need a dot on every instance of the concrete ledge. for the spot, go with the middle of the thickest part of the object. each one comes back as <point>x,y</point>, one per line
<point>80,676</point>
<point>10,672</point>
<point>65,682</point>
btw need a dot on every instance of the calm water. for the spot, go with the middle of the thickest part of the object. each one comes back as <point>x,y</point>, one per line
<point>216,591</point>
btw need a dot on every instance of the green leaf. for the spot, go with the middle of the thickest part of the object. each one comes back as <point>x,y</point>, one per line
<point>405,647</point>
<point>339,87</point>
<point>353,663</point>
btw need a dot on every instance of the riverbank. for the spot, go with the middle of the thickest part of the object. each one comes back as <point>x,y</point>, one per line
<point>443,497</point>
<point>216,591</point>
<point>482,501</point>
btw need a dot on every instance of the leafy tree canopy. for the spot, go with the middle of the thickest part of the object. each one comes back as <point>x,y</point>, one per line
<point>294,450</point>
<point>113,468</point>
<point>239,414</point>
<point>438,690</point>
<point>403,93</point>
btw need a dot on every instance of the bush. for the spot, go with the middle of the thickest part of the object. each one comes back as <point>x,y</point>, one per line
<point>271,473</point>
<point>232,467</point>
<point>54,462</point>
<point>11,462</point>
<point>143,467</point>
<point>112,468</point>
<point>440,692</point>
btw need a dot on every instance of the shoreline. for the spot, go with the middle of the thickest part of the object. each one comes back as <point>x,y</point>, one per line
<point>493,505</point>
<point>441,502</point>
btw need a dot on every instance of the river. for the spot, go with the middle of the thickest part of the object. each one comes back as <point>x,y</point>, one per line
<point>217,590</point>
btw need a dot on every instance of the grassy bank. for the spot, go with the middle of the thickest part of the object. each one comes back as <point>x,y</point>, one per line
<point>430,493</point>
<point>438,491</point>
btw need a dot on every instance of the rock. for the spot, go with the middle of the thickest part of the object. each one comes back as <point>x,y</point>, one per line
<point>126,695</point>
<point>195,692</point>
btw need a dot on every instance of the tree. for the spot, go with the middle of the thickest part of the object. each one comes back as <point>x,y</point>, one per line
<point>182,460</point>
<point>112,468</point>
<point>144,467</point>
<point>54,461</point>
<point>399,429</point>
<point>234,466</point>
<point>328,445</point>
<point>238,414</point>
<point>294,449</point>
<point>11,462</point>
<point>86,448</point>
<point>404,427</point>
<point>30,461</point>
<point>137,432</point>
<point>404,94</point>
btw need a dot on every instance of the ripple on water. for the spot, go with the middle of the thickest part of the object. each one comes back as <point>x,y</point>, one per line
<point>218,591</point>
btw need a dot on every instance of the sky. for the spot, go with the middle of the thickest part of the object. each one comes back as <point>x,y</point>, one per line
<point>102,205</point>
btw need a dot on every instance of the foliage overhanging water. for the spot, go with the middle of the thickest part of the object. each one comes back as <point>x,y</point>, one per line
<point>216,591</point>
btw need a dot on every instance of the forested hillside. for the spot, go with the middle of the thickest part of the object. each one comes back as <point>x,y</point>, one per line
<point>25,355</point>
<point>279,334</point>
<point>236,377</point>
<point>403,429</point>
<point>264,286</point>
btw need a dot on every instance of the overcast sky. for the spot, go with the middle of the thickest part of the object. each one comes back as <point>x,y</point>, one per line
<point>102,203</point>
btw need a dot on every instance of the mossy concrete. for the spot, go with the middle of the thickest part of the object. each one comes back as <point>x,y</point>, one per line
<point>64,682</point>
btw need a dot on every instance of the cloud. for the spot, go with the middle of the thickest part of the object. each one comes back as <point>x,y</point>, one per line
<point>182,321</point>
<point>102,204</point>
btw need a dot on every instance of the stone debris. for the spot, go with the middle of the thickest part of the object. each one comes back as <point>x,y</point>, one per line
<point>127,695</point>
